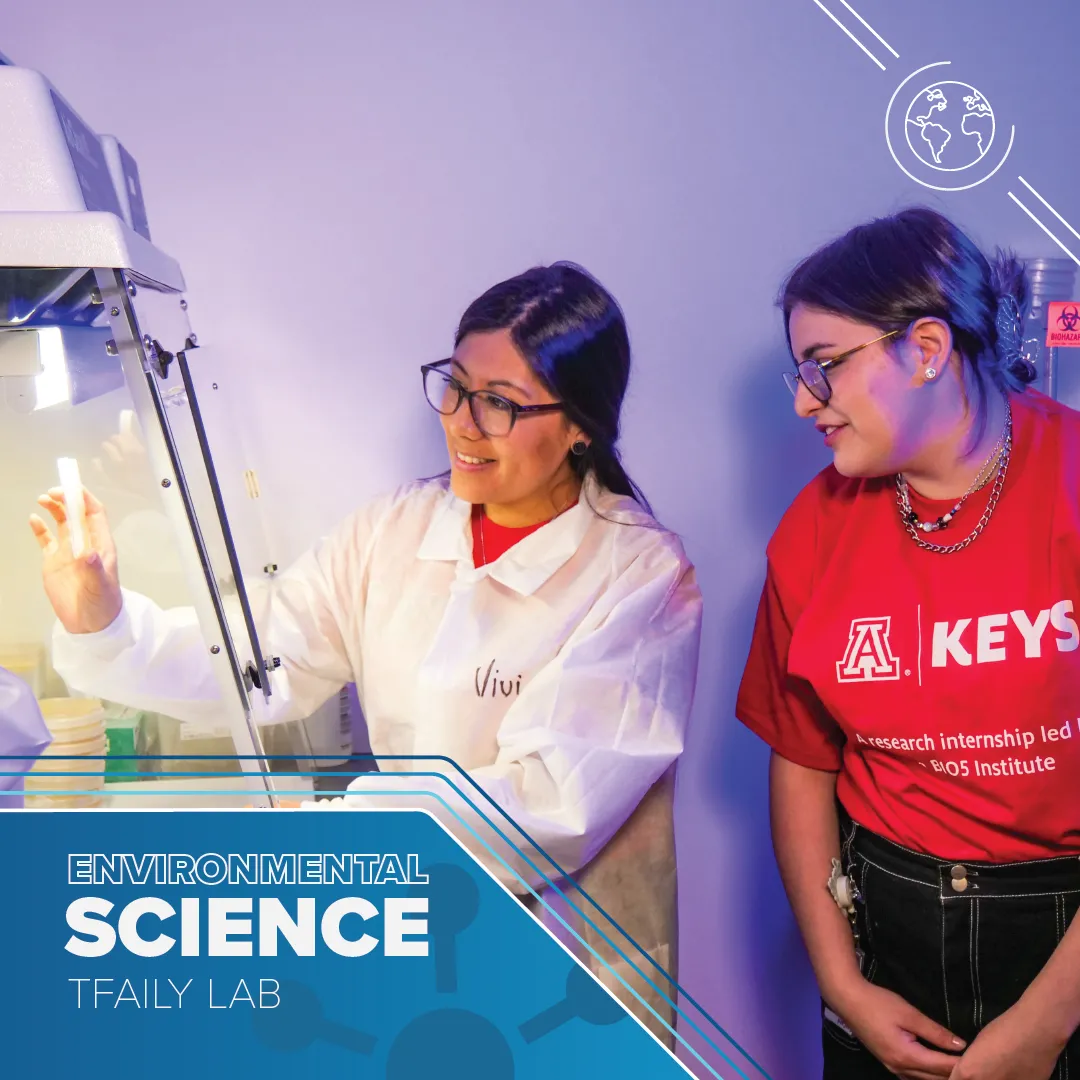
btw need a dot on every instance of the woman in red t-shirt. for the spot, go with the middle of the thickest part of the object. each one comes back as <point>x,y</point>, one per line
<point>915,665</point>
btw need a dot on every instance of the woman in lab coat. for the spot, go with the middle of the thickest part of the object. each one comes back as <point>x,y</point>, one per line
<point>524,615</point>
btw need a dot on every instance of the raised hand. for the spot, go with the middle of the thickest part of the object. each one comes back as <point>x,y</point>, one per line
<point>84,591</point>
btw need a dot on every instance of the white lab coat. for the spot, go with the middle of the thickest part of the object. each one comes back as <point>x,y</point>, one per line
<point>560,677</point>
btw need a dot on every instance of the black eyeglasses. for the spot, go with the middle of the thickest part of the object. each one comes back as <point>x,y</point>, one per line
<point>811,373</point>
<point>494,415</point>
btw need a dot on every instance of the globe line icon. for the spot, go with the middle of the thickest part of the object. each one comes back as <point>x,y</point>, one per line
<point>950,126</point>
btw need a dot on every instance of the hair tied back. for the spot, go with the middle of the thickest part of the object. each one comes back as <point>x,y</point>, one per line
<point>1011,354</point>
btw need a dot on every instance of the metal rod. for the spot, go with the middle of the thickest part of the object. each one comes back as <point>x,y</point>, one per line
<point>223,518</point>
<point>198,538</point>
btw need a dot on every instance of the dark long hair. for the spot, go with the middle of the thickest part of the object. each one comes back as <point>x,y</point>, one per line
<point>572,334</point>
<point>893,270</point>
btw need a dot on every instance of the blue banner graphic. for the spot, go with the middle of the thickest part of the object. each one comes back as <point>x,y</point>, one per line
<point>218,943</point>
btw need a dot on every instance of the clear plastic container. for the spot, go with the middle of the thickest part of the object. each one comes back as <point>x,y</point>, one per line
<point>185,743</point>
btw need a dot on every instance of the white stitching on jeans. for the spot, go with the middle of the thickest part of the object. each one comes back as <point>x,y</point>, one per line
<point>1062,1070</point>
<point>901,877</point>
<point>1029,862</point>
<point>846,846</point>
<point>971,966</point>
<point>955,897</point>
<point>1063,1061</point>
<point>978,978</point>
<point>985,865</point>
<point>1015,896</point>
<point>944,977</point>
<point>864,883</point>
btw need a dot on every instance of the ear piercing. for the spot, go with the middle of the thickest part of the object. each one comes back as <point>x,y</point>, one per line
<point>931,373</point>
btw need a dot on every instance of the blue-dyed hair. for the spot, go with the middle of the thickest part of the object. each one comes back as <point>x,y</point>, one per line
<point>573,336</point>
<point>893,270</point>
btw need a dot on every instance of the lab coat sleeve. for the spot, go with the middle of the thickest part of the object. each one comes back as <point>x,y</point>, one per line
<point>146,658</point>
<point>588,737</point>
<point>158,660</point>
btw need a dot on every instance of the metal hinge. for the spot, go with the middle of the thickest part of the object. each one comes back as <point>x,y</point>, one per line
<point>251,673</point>
<point>158,358</point>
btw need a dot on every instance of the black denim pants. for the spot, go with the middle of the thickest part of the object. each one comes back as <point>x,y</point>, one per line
<point>960,942</point>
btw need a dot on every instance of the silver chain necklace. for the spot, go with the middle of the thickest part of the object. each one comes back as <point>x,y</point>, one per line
<point>1002,452</point>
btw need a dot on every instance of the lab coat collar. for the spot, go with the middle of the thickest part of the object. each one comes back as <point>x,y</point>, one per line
<point>530,562</point>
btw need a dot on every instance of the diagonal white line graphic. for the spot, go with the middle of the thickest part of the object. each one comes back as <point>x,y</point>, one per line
<point>850,34</point>
<point>1049,207</point>
<point>870,28</point>
<point>1044,228</point>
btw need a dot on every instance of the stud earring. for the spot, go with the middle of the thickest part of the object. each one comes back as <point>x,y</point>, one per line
<point>579,448</point>
<point>931,373</point>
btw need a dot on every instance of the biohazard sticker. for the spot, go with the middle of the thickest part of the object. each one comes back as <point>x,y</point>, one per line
<point>1063,324</point>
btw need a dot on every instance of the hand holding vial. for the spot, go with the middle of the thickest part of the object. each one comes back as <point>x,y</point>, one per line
<point>83,586</point>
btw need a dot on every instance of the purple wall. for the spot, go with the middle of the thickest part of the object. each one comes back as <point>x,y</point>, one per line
<point>338,179</point>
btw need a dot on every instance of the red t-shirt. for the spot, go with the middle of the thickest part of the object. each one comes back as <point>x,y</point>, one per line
<point>944,689</point>
<point>496,538</point>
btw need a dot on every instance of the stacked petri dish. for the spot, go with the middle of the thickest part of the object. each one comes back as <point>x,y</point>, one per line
<point>78,730</point>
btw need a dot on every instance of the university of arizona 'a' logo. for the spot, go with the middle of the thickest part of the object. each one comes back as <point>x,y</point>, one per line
<point>868,657</point>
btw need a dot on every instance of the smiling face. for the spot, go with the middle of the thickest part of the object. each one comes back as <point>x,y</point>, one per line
<point>879,419</point>
<point>521,478</point>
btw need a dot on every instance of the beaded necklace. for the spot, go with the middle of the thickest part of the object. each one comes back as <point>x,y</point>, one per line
<point>995,467</point>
